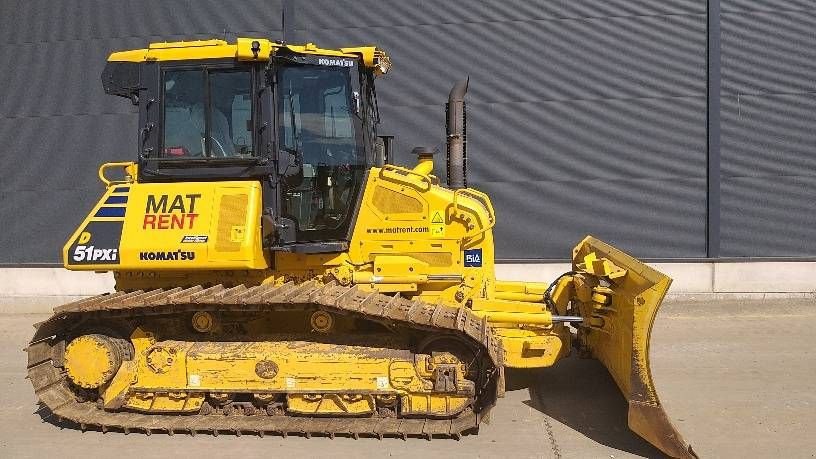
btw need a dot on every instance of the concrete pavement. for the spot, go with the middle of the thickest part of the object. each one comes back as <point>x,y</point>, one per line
<point>737,378</point>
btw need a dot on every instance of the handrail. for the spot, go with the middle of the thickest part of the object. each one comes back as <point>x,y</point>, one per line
<point>482,199</point>
<point>129,169</point>
<point>406,172</point>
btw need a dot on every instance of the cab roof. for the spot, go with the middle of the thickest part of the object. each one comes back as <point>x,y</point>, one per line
<point>243,50</point>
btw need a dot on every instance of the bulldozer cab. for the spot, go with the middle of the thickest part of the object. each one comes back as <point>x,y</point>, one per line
<point>300,121</point>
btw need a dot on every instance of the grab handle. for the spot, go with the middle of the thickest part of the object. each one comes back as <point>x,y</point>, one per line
<point>129,167</point>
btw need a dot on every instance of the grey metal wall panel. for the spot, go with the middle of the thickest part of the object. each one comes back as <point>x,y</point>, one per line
<point>766,5</point>
<point>651,218</point>
<point>582,118</point>
<point>768,52</point>
<point>36,223</point>
<point>346,14</point>
<point>573,141</point>
<point>595,167</point>
<point>32,21</point>
<point>43,161</point>
<point>771,216</point>
<point>768,129</point>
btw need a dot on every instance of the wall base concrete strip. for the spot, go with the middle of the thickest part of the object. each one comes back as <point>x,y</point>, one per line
<point>37,290</point>
<point>43,304</point>
<point>53,281</point>
<point>788,276</point>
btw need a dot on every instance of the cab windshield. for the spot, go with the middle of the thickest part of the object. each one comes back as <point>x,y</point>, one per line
<point>318,130</point>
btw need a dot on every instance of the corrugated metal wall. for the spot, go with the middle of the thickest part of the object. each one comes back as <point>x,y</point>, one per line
<point>584,116</point>
<point>768,128</point>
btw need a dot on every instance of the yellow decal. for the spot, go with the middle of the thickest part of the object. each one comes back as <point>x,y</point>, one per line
<point>162,213</point>
<point>237,233</point>
<point>84,237</point>
<point>437,224</point>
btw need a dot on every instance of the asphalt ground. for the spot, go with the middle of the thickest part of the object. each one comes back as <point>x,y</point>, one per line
<point>738,379</point>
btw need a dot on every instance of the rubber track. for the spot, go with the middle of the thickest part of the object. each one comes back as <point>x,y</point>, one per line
<point>51,386</point>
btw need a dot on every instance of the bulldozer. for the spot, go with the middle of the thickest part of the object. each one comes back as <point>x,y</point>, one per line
<point>276,273</point>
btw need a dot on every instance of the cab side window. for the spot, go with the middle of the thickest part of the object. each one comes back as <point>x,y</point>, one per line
<point>230,114</point>
<point>207,114</point>
<point>184,126</point>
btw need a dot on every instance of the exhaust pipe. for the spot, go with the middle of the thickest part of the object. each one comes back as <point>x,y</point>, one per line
<point>456,127</point>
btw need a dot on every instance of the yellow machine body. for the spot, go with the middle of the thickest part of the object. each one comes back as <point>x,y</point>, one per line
<point>242,51</point>
<point>411,238</point>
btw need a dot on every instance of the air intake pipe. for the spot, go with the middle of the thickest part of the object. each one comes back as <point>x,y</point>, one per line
<point>456,128</point>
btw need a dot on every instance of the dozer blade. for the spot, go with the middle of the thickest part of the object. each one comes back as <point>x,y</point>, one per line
<point>617,329</point>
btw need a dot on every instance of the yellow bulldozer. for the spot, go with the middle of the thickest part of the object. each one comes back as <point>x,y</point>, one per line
<point>276,272</point>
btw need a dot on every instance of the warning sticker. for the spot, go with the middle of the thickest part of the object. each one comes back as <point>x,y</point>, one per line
<point>437,223</point>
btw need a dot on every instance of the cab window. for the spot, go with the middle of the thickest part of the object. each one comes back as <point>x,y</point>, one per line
<point>207,113</point>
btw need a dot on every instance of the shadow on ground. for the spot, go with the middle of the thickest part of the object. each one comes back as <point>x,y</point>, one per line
<point>581,394</point>
<point>47,416</point>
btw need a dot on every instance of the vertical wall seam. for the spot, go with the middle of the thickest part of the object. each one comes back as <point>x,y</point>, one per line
<point>288,21</point>
<point>713,59</point>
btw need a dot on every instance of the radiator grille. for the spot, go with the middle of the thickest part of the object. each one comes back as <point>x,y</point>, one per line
<point>231,222</point>
<point>391,202</point>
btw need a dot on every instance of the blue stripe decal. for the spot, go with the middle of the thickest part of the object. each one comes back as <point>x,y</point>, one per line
<point>110,212</point>
<point>121,189</point>
<point>116,200</point>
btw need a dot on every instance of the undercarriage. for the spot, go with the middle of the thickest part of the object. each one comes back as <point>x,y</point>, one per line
<point>303,359</point>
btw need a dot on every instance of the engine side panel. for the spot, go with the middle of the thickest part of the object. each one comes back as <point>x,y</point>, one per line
<point>413,236</point>
<point>171,226</point>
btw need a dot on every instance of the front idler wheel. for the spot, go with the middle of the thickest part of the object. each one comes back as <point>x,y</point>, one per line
<point>92,360</point>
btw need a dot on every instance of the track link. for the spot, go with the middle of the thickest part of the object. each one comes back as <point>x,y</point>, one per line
<point>54,392</point>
